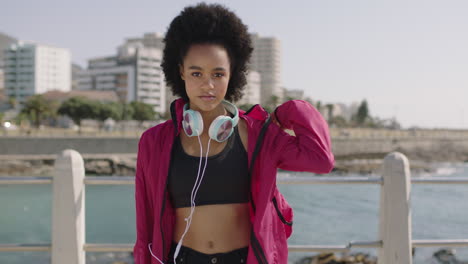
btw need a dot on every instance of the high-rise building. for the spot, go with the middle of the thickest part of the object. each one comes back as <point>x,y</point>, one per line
<point>266,59</point>
<point>252,89</point>
<point>135,74</point>
<point>5,42</point>
<point>32,68</point>
<point>149,40</point>
<point>2,81</point>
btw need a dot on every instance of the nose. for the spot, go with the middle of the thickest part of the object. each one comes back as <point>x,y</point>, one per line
<point>208,83</point>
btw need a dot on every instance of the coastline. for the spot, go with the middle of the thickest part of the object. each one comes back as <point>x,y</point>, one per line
<point>124,164</point>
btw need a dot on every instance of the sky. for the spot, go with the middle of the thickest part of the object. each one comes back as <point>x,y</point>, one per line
<point>408,59</point>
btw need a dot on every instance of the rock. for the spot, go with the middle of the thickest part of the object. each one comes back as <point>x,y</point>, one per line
<point>109,257</point>
<point>330,258</point>
<point>447,256</point>
<point>98,167</point>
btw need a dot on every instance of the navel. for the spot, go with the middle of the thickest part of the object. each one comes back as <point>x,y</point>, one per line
<point>210,244</point>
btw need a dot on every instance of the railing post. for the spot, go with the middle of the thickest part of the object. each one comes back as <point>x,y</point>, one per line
<point>395,211</point>
<point>68,209</point>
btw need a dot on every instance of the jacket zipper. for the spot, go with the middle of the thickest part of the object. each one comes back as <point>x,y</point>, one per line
<point>257,248</point>
<point>165,192</point>
<point>161,223</point>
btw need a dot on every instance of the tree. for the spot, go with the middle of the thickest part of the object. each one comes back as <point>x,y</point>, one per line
<point>318,105</point>
<point>109,110</point>
<point>127,112</point>
<point>37,109</point>
<point>245,107</point>
<point>79,108</point>
<point>339,121</point>
<point>271,104</point>
<point>142,111</point>
<point>274,100</point>
<point>362,113</point>
<point>330,108</point>
<point>12,102</point>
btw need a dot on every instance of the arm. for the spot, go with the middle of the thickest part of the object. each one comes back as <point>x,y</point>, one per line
<point>143,216</point>
<point>310,148</point>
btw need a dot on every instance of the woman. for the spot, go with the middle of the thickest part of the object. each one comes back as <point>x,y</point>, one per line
<point>206,180</point>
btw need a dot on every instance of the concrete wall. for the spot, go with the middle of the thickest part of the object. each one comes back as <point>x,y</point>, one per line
<point>26,146</point>
<point>341,147</point>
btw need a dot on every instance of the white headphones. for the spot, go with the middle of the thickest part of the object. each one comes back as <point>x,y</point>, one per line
<point>220,129</point>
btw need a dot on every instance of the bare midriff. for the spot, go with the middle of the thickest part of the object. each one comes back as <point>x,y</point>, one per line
<point>215,228</point>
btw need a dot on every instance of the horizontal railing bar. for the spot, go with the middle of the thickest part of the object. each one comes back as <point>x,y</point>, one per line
<point>365,244</point>
<point>25,180</point>
<point>24,247</point>
<point>108,247</point>
<point>329,180</point>
<point>129,180</point>
<point>441,243</point>
<point>109,180</point>
<point>440,180</point>
<point>335,248</point>
<point>304,248</point>
<point>292,248</point>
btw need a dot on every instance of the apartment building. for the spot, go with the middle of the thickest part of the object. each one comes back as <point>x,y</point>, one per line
<point>32,68</point>
<point>266,59</point>
<point>135,74</point>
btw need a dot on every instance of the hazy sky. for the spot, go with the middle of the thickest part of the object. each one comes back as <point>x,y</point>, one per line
<point>409,59</point>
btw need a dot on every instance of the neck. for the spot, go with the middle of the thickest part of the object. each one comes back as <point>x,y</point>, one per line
<point>209,116</point>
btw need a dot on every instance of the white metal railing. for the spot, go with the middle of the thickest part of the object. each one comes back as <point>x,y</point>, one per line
<point>394,244</point>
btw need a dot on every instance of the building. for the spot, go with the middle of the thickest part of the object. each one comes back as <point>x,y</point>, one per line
<point>266,59</point>
<point>76,71</point>
<point>252,89</point>
<point>149,40</point>
<point>32,68</point>
<point>135,74</point>
<point>293,94</point>
<point>349,110</point>
<point>5,42</point>
<point>2,84</point>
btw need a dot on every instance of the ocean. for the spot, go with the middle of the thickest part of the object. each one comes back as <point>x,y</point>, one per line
<point>323,215</point>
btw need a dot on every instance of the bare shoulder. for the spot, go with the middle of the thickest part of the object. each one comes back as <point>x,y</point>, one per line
<point>243,133</point>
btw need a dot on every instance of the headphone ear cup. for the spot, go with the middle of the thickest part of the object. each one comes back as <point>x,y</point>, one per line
<point>221,128</point>
<point>192,123</point>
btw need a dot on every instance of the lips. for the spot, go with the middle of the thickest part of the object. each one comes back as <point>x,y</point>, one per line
<point>207,97</point>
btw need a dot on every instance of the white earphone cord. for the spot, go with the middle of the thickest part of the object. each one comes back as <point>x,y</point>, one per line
<point>193,195</point>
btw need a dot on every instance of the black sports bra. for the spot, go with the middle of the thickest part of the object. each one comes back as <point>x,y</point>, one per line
<point>226,178</point>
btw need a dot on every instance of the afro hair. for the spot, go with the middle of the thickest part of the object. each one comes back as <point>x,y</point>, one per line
<point>207,24</point>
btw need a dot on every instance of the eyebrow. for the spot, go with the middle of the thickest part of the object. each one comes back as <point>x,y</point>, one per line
<point>200,68</point>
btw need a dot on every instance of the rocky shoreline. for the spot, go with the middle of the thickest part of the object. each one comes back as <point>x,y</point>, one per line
<point>124,164</point>
<point>442,256</point>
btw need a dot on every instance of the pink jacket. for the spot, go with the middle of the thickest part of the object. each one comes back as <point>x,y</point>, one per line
<point>270,214</point>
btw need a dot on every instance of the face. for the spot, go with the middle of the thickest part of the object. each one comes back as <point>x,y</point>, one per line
<point>206,72</point>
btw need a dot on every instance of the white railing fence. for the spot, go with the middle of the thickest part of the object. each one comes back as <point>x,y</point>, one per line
<point>394,243</point>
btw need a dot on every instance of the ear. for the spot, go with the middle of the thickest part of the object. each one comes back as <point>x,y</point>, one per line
<point>181,71</point>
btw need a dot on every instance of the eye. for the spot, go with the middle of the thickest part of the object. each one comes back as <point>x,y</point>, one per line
<point>196,74</point>
<point>218,74</point>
